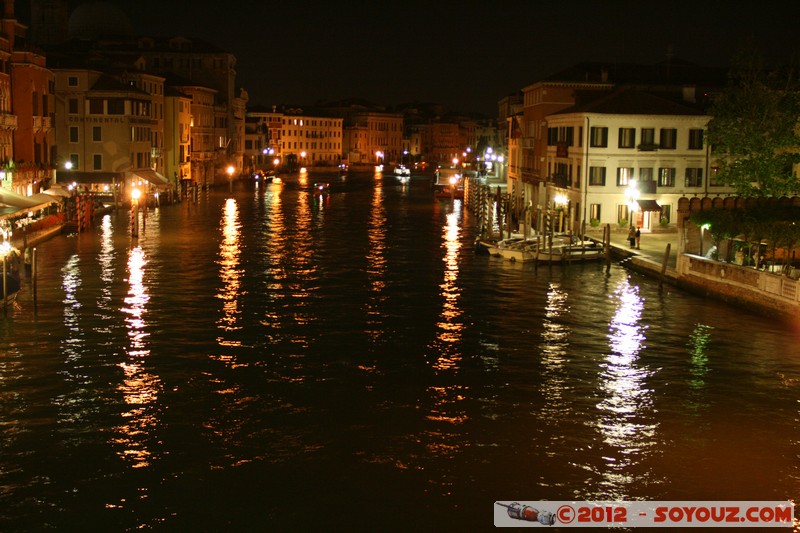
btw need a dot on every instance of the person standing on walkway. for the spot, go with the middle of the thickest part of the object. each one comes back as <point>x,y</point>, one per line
<point>638,236</point>
<point>632,236</point>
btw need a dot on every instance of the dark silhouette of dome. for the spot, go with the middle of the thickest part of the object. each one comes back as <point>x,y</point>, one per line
<point>97,19</point>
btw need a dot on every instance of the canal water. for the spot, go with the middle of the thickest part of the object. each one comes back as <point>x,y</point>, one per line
<point>274,359</point>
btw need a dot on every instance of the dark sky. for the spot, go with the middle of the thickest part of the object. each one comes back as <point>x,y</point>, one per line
<point>466,55</point>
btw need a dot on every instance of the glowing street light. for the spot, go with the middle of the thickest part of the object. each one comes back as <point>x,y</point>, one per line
<point>632,194</point>
<point>230,177</point>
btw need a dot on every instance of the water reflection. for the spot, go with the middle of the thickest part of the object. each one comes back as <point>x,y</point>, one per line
<point>554,348</point>
<point>628,403</point>
<point>698,369</point>
<point>106,259</point>
<point>230,273</point>
<point>449,325</point>
<point>139,388</point>
<point>376,262</point>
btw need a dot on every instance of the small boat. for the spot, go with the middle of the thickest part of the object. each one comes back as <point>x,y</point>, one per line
<point>571,253</point>
<point>322,188</point>
<point>402,170</point>
<point>447,183</point>
<point>12,287</point>
<point>564,249</point>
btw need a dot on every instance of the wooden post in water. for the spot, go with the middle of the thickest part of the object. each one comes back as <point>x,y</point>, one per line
<point>33,274</point>
<point>664,266</point>
<point>607,245</point>
<point>5,287</point>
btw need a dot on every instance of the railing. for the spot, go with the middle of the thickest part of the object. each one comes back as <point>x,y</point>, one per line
<point>647,147</point>
<point>8,121</point>
<point>744,282</point>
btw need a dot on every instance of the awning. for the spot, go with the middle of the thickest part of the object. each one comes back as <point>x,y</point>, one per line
<point>14,205</point>
<point>150,175</point>
<point>13,199</point>
<point>648,205</point>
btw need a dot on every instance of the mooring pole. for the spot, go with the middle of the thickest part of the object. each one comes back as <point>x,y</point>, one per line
<point>664,266</point>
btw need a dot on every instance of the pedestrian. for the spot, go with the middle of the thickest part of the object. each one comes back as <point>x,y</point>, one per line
<point>632,236</point>
<point>638,237</point>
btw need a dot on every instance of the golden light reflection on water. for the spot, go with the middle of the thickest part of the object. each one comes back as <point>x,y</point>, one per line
<point>139,388</point>
<point>554,346</point>
<point>627,407</point>
<point>450,328</point>
<point>376,262</point>
<point>229,273</point>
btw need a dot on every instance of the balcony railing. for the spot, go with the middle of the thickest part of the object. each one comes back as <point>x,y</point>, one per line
<point>8,121</point>
<point>647,147</point>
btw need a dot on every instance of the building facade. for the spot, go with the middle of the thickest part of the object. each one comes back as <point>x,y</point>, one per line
<point>626,159</point>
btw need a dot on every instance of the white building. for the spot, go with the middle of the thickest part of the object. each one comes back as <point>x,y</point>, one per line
<point>625,157</point>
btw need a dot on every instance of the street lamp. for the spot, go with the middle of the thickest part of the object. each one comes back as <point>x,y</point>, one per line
<point>230,177</point>
<point>632,194</point>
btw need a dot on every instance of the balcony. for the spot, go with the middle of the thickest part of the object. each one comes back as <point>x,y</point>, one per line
<point>647,147</point>
<point>8,121</point>
<point>41,124</point>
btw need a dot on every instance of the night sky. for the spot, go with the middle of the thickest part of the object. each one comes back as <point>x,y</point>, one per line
<point>466,55</point>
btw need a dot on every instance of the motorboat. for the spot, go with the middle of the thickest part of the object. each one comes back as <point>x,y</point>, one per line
<point>447,183</point>
<point>322,188</point>
<point>402,170</point>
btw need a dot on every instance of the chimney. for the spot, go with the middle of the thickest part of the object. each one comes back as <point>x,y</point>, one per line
<point>690,94</point>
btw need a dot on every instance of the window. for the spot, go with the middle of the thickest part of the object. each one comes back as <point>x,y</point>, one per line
<point>622,213</point>
<point>624,175</point>
<point>648,136</point>
<point>666,177</point>
<point>97,133</point>
<point>646,174</point>
<point>599,137</point>
<point>668,138</point>
<point>96,106</point>
<point>627,137</point>
<point>695,139</point>
<point>594,212</point>
<point>73,134</point>
<point>72,81</point>
<point>713,178</point>
<point>694,177</point>
<point>116,106</point>
<point>72,106</point>
<point>665,212</point>
<point>97,161</point>
<point>75,160</point>
<point>597,175</point>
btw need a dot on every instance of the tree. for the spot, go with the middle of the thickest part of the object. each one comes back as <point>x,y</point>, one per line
<point>754,131</point>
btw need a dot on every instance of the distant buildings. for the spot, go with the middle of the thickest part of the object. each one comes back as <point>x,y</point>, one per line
<point>599,143</point>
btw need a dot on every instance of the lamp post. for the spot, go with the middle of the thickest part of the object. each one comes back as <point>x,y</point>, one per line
<point>230,177</point>
<point>632,194</point>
